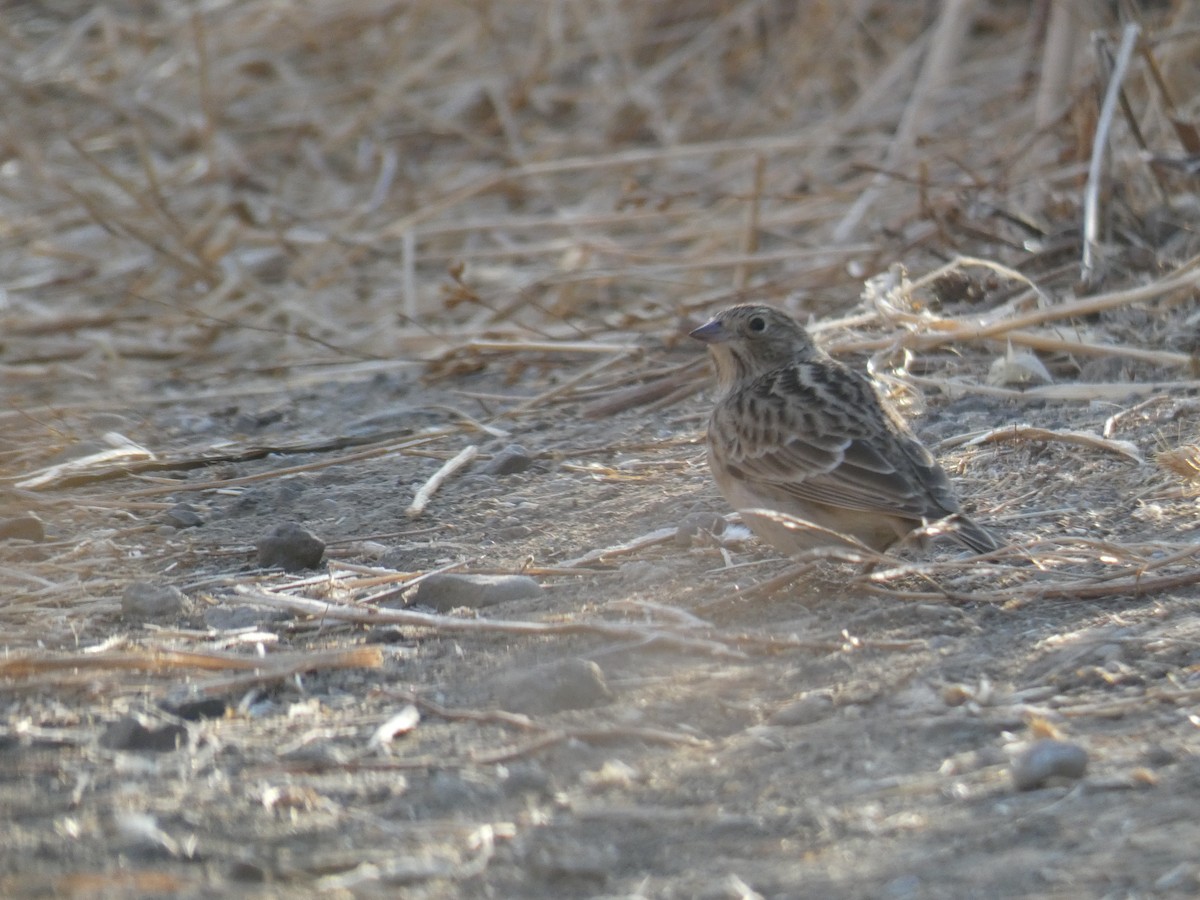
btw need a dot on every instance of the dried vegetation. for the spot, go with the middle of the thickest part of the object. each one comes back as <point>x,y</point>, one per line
<point>526,204</point>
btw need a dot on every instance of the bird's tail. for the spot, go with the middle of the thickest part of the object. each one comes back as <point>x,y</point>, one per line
<point>971,534</point>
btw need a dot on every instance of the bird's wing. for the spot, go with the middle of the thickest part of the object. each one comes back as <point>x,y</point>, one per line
<point>828,440</point>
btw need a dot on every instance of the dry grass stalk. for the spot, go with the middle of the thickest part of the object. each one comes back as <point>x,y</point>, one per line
<point>1091,196</point>
<point>1085,392</point>
<point>600,554</point>
<point>82,668</point>
<point>1057,56</point>
<point>426,491</point>
<point>450,624</point>
<point>1029,433</point>
<point>936,73</point>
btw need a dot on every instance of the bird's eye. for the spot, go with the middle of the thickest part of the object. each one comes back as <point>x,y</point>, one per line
<point>758,324</point>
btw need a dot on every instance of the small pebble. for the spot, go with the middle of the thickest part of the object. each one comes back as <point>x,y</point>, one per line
<point>567,684</point>
<point>130,734</point>
<point>387,634</point>
<point>182,515</point>
<point>512,460</point>
<point>1157,755</point>
<point>291,547</point>
<point>512,532</point>
<point>249,422</point>
<point>956,694</point>
<point>1046,759</point>
<point>198,710</point>
<point>23,528</point>
<point>148,600</point>
<point>450,591</point>
<point>249,871</point>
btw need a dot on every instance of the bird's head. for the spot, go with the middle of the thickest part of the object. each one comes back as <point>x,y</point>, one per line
<point>748,341</point>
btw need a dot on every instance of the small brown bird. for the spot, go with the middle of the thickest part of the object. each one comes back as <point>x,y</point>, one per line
<point>796,432</point>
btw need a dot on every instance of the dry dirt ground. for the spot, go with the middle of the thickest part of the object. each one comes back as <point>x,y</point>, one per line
<point>230,306</point>
<point>823,741</point>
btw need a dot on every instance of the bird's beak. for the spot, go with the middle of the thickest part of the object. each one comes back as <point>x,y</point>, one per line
<point>713,332</point>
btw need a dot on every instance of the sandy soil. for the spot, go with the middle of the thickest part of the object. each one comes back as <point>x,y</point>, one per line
<point>869,759</point>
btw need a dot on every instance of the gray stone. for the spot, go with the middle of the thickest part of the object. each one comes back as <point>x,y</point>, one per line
<point>130,734</point>
<point>512,532</point>
<point>291,547</point>
<point>148,600</point>
<point>1046,759</point>
<point>182,515</point>
<point>510,461</point>
<point>449,591</point>
<point>566,684</point>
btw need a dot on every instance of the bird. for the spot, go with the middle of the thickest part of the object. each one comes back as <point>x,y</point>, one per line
<point>797,435</point>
